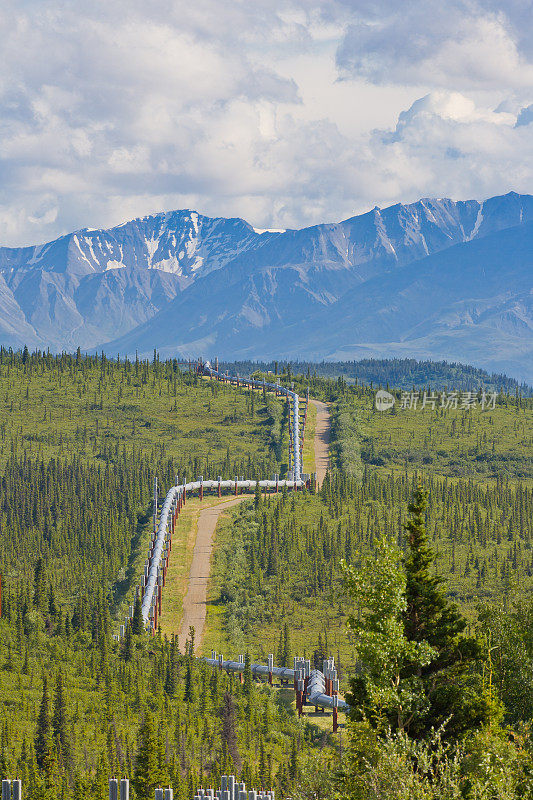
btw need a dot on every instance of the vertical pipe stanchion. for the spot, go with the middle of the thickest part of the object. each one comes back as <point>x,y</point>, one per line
<point>300,697</point>
<point>113,789</point>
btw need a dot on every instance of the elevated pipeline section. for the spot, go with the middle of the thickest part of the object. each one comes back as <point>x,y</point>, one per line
<point>295,437</point>
<point>161,545</point>
<point>318,688</point>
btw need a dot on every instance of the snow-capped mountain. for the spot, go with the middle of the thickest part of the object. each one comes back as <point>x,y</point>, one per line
<point>189,284</point>
<point>93,285</point>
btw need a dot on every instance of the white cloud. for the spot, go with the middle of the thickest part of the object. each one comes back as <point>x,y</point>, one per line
<point>115,110</point>
<point>459,44</point>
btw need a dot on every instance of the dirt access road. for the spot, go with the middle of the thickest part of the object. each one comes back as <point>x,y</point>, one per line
<point>195,601</point>
<point>322,438</point>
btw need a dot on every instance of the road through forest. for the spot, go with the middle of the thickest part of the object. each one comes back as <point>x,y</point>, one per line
<point>195,601</point>
<point>322,437</point>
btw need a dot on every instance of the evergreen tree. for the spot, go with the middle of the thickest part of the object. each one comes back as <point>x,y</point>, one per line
<point>170,678</point>
<point>146,769</point>
<point>258,499</point>
<point>127,647</point>
<point>451,681</point>
<point>43,734</point>
<point>247,676</point>
<point>229,735</point>
<point>293,763</point>
<point>189,694</point>
<point>60,720</point>
<point>9,664</point>
<point>287,652</point>
<point>137,625</point>
<point>39,584</point>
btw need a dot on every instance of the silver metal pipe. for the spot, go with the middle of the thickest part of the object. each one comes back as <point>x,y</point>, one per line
<point>166,513</point>
<point>316,687</point>
<point>175,491</point>
<point>273,387</point>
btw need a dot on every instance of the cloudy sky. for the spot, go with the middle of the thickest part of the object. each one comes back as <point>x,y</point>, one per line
<point>285,114</point>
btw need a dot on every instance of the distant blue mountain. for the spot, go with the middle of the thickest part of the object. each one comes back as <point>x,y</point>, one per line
<point>433,279</point>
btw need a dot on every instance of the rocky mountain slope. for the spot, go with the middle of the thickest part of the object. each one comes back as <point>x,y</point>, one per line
<point>436,278</point>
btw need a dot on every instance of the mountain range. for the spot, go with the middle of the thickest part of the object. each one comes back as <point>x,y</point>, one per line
<point>433,279</point>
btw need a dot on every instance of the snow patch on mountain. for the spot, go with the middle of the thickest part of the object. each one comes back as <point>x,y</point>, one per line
<point>94,286</point>
<point>477,224</point>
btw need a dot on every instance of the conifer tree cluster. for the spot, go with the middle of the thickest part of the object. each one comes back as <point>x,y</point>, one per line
<point>285,554</point>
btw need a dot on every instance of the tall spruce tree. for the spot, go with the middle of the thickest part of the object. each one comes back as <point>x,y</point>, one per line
<point>43,735</point>
<point>39,584</point>
<point>137,625</point>
<point>60,720</point>
<point>127,647</point>
<point>146,767</point>
<point>247,676</point>
<point>189,692</point>
<point>229,734</point>
<point>418,672</point>
<point>286,652</point>
<point>451,680</point>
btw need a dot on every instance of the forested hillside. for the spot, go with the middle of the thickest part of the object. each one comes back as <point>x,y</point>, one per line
<point>400,373</point>
<point>81,441</point>
<point>289,594</point>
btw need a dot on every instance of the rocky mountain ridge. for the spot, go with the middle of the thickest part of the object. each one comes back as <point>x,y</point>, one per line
<point>190,284</point>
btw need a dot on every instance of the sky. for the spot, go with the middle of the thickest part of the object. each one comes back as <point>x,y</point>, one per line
<point>285,114</point>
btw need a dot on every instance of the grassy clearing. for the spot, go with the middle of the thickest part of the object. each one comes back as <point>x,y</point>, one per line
<point>457,443</point>
<point>92,409</point>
